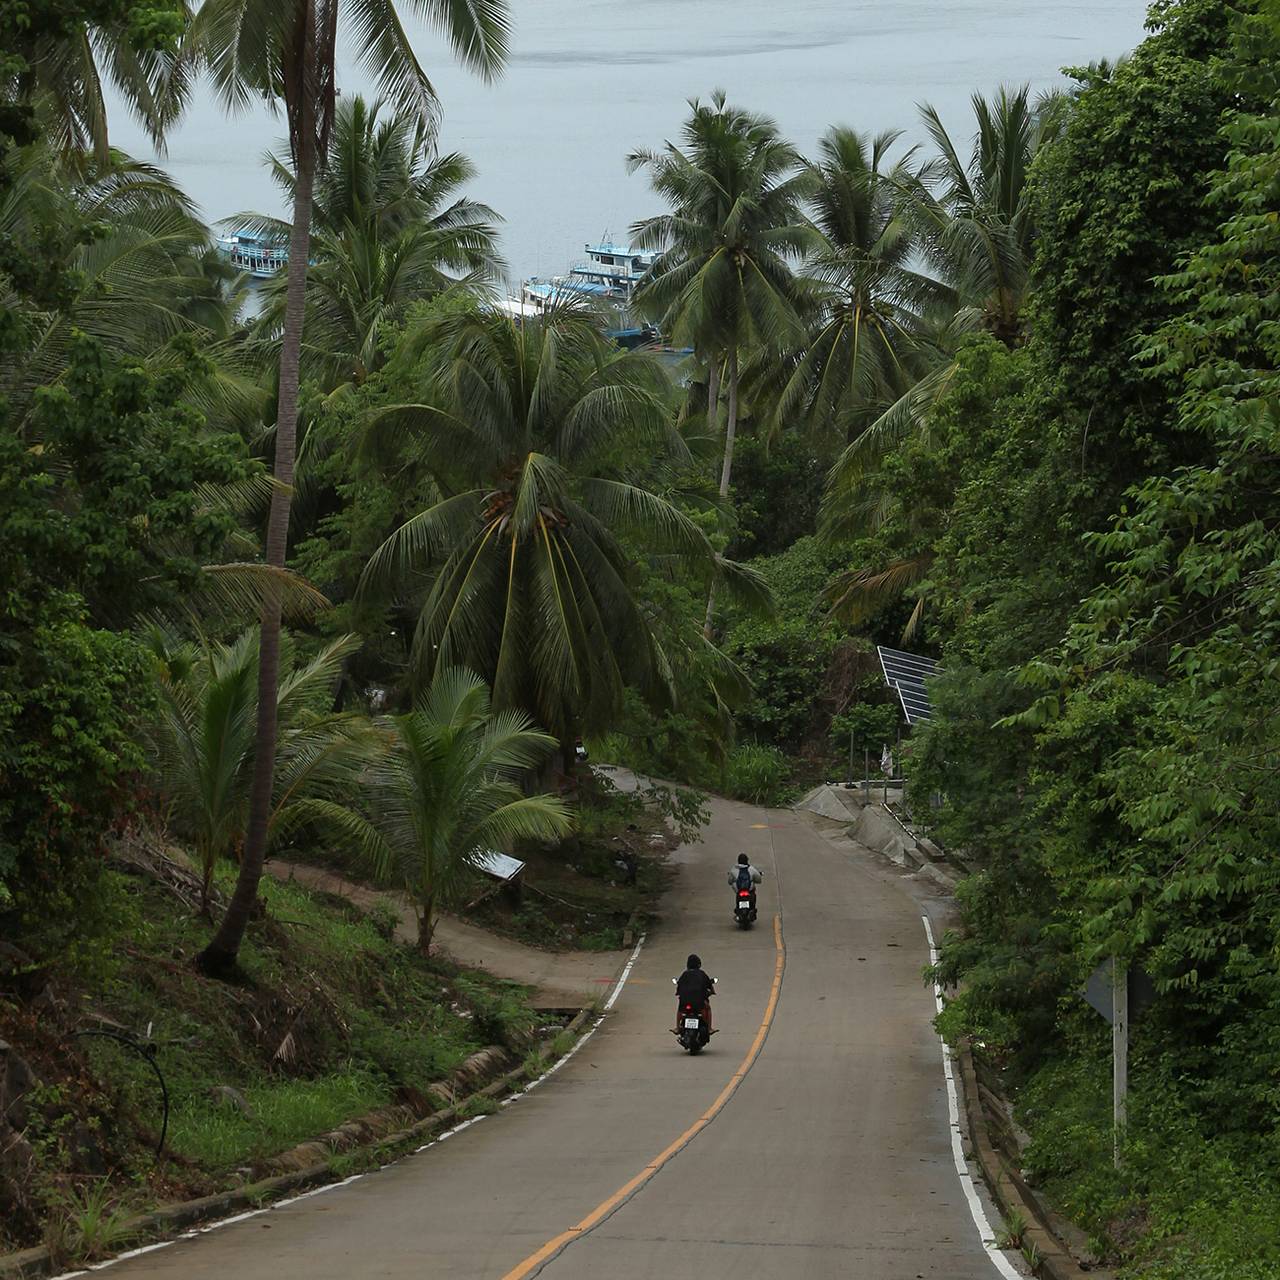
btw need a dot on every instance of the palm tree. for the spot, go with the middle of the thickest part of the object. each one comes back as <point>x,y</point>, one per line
<point>147,277</point>
<point>723,283</point>
<point>65,77</point>
<point>389,228</point>
<point>444,791</point>
<point>527,563</point>
<point>869,341</point>
<point>976,230</point>
<point>203,738</point>
<point>285,52</point>
<point>976,216</point>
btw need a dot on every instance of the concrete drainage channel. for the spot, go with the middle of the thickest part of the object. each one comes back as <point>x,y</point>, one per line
<point>313,1162</point>
<point>1041,1243</point>
<point>870,822</point>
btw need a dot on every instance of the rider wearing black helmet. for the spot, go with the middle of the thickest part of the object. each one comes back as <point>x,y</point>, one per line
<point>695,988</point>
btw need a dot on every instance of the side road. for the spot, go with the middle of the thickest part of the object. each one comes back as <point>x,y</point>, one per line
<point>560,979</point>
<point>812,1139</point>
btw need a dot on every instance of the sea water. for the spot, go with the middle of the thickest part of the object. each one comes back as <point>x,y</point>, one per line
<point>590,81</point>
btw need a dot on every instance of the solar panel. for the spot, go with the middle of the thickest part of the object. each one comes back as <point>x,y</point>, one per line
<point>498,865</point>
<point>906,673</point>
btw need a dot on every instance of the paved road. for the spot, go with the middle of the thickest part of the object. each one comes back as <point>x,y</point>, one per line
<point>831,1159</point>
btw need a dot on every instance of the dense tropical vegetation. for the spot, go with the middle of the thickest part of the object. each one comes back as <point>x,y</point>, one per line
<point>1009,396</point>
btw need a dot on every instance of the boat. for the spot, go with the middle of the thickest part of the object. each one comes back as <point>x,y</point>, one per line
<point>610,274</point>
<point>258,256</point>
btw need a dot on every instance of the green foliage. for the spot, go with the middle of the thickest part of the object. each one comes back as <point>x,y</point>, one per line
<point>872,316</point>
<point>202,739</point>
<point>104,514</point>
<point>758,774</point>
<point>863,727</point>
<point>87,1223</point>
<point>111,491</point>
<point>389,229</point>
<point>777,487</point>
<point>734,186</point>
<point>1103,579</point>
<point>71,697</point>
<point>441,790</point>
<point>525,567</point>
<point>789,657</point>
<point>281,1113</point>
<point>32,34</point>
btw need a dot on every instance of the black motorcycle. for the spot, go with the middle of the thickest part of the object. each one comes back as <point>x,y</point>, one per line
<point>744,913</point>
<point>693,1032</point>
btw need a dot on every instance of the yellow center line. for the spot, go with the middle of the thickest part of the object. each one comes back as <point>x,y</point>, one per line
<point>597,1215</point>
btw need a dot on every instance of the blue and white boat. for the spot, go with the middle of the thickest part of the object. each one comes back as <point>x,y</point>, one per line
<point>258,256</point>
<point>610,274</point>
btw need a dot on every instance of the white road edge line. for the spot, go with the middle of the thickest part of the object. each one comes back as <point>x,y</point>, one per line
<point>355,1177</point>
<point>976,1211</point>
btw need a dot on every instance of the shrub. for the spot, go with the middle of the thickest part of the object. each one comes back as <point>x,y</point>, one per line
<point>758,774</point>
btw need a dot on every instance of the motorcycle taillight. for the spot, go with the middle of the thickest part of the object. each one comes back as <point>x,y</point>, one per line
<point>744,893</point>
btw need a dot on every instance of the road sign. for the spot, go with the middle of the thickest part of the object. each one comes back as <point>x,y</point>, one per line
<point>1097,990</point>
<point>1119,992</point>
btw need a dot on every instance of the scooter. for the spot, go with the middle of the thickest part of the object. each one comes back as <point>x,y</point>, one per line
<point>743,912</point>
<point>693,1032</point>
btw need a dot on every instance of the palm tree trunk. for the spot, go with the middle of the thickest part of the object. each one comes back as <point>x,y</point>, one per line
<point>219,957</point>
<point>731,426</point>
<point>726,471</point>
<point>713,393</point>
<point>426,924</point>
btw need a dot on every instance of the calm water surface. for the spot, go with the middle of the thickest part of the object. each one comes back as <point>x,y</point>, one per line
<point>588,81</point>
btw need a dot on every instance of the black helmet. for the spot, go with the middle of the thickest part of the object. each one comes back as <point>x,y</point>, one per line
<point>693,962</point>
<point>743,860</point>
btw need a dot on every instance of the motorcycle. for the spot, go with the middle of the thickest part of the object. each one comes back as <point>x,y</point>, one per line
<point>743,912</point>
<point>693,1032</point>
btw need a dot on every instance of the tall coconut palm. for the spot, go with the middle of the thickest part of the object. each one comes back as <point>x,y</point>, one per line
<point>976,213</point>
<point>976,227</point>
<point>870,339</point>
<point>285,52</point>
<point>203,740</point>
<point>723,283</point>
<point>444,791</point>
<point>389,228</point>
<point>527,564</point>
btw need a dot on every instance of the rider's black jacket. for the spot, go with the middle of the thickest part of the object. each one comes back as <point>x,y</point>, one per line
<point>694,987</point>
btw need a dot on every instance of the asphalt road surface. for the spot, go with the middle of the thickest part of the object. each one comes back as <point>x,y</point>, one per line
<point>810,1140</point>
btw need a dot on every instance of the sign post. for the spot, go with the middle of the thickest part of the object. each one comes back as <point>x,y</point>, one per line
<point>1119,993</point>
<point>1119,1052</point>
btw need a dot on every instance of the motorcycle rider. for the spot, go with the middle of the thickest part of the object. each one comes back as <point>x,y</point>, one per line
<point>695,988</point>
<point>745,876</point>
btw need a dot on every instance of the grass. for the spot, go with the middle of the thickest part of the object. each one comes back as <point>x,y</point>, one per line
<point>281,1114</point>
<point>479,1105</point>
<point>1186,1205</point>
<point>87,1222</point>
<point>331,1020</point>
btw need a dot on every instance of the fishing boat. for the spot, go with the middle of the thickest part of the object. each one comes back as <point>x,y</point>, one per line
<point>258,256</point>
